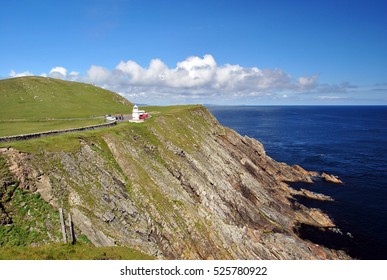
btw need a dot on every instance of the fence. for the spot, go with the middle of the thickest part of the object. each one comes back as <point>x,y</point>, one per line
<point>54,132</point>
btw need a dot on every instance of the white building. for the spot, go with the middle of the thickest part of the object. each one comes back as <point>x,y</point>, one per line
<point>136,113</point>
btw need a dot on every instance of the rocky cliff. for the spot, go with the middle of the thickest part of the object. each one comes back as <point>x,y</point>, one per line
<point>179,186</point>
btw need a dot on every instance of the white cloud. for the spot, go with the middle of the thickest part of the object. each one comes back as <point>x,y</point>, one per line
<point>307,82</point>
<point>197,79</point>
<point>98,74</point>
<point>330,97</point>
<point>193,72</point>
<point>73,76</point>
<point>155,74</point>
<point>13,74</point>
<point>58,72</point>
<point>193,76</point>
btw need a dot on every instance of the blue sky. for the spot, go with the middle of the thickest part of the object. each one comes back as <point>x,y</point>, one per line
<point>213,51</point>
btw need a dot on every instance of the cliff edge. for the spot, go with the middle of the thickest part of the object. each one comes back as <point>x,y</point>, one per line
<point>179,186</point>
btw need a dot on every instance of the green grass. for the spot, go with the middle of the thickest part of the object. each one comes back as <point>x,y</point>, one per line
<point>64,142</point>
<point>34,221</point>
<point>61,251</point>
<point>38,98</point>
<point>71,142</point>
<point>9,128</point>
<point>168,110</point>
<point>6,177</point>
<point>37,104</point>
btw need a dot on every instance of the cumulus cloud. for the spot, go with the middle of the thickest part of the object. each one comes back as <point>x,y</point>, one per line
<point>73,76</point>
<point>307,82</point>
<point>58,72</point>
<point>195,78</point>
<point>98,74</point>
<point>202,74</point>
<point>13,74</point>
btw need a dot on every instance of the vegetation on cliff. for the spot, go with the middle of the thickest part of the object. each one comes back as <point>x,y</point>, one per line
<point>179,186</point>
<point>61,251</point>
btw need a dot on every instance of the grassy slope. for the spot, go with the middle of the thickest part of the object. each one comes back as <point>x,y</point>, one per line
<point>70,142</point>
<point>61,251</point>
<point>34,104</point>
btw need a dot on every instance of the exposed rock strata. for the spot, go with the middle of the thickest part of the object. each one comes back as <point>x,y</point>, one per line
<point>331,178</point>
<point>312,195</point>
<point>204,192</point>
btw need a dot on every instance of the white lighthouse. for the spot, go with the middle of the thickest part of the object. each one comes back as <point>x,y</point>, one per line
<point>135,113</point>
<point>138,115</point>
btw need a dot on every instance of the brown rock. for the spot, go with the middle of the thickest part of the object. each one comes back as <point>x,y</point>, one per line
<point>331,178</point>
<point>314,195</point>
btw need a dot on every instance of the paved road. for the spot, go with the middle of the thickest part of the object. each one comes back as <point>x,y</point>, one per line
<point>125,118</point>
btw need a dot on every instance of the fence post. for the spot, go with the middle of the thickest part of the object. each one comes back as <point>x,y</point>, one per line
<point>62,223</point>
<point>72,236</point>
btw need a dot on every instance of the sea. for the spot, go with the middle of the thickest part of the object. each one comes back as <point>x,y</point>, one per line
<point>347,141</point>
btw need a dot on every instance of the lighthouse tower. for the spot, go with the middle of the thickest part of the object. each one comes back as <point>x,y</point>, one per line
<point>135,113</point>
<point>138,115</point>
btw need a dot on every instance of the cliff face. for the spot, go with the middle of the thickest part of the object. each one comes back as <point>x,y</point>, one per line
<point>179,186</point>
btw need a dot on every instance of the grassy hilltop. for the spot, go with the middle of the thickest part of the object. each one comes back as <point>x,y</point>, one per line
<point>34,104</point>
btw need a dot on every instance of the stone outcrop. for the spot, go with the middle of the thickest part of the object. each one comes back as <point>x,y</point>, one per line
<point>313,195</point>
<point>331,178</point>
<point>181,187</point>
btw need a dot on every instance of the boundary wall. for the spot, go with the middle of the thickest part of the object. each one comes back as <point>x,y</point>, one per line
<point>54,132</point>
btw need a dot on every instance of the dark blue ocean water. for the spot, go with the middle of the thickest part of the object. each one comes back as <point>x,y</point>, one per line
<point>348,141</point>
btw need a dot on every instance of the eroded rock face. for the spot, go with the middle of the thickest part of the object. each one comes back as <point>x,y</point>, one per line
<point>182,188</point>
<point>331,178</point>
